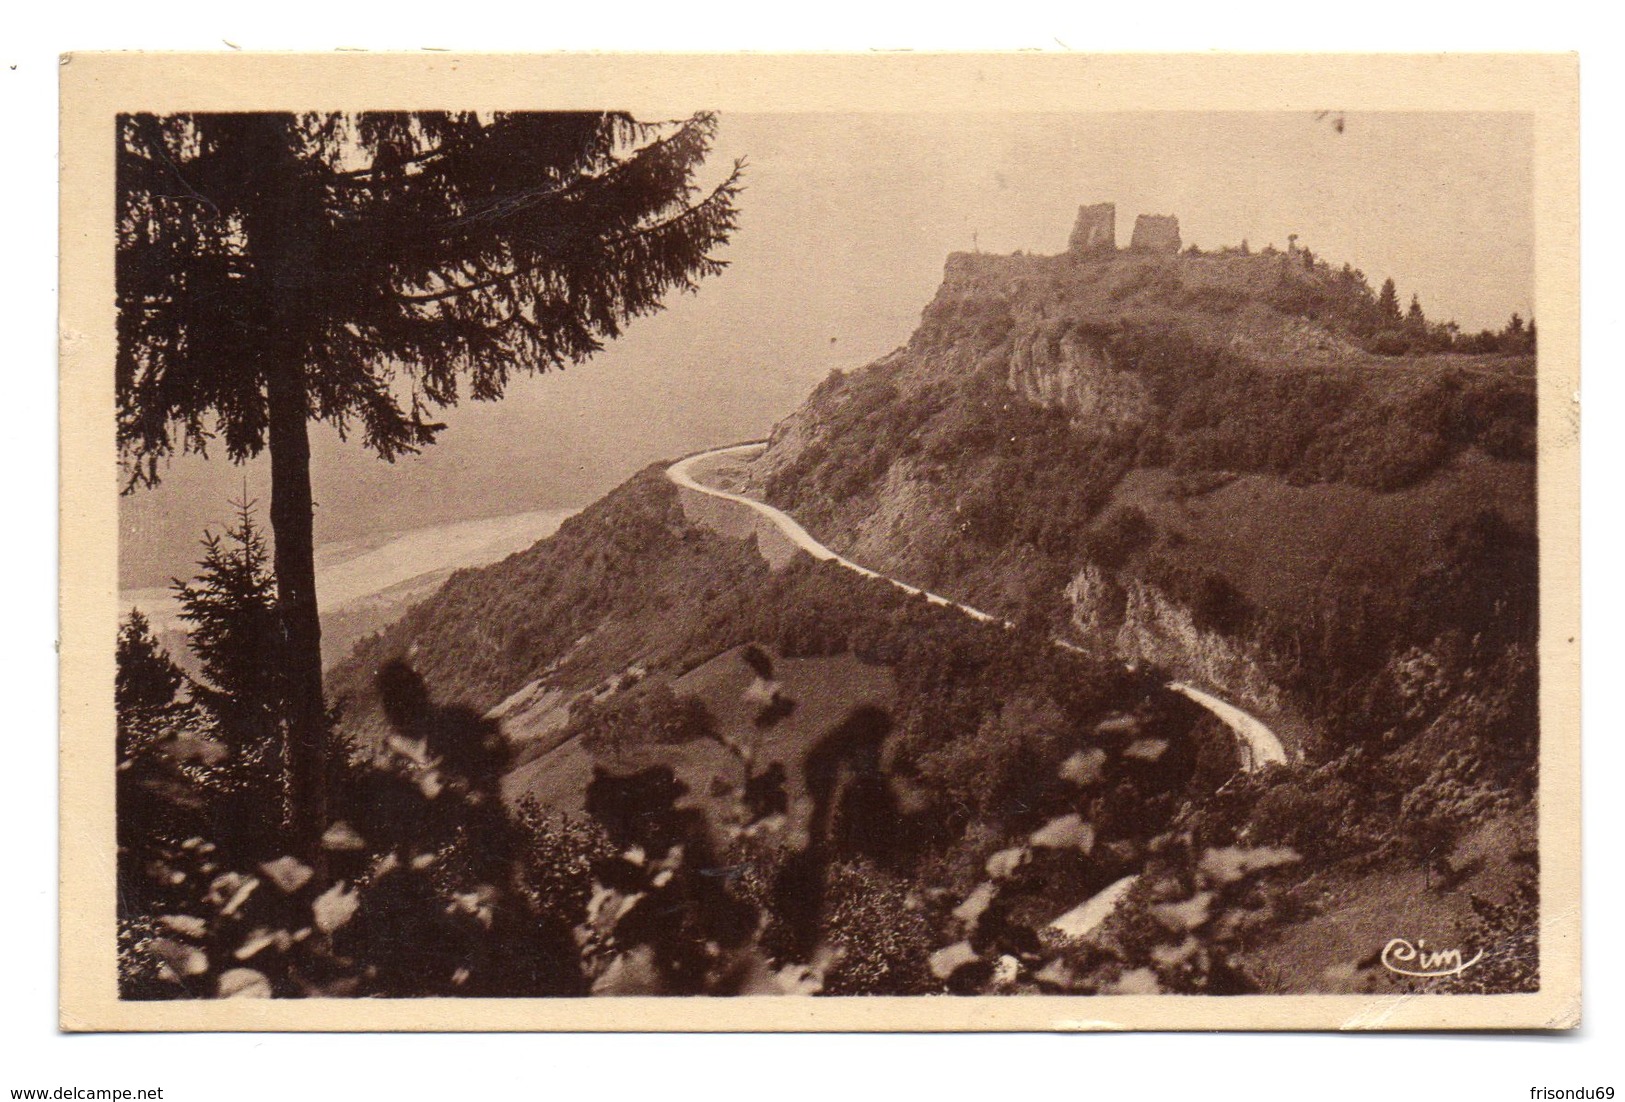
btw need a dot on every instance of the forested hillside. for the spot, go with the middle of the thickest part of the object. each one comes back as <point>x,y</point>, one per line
<point>1077,438</point>
<point>1247,470</point>
<point>636,758</point>
<point>984,736</point>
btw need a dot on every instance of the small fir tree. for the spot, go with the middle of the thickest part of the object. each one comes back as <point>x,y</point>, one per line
<point>232,611</point>
<point>1388,303</point>
<point>147,679</point>
<point>231,607</point>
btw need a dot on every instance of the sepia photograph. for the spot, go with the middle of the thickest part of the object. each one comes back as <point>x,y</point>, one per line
<point>1009,557</point>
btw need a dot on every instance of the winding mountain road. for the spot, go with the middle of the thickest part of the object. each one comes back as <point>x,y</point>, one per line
<point>1260,745</point>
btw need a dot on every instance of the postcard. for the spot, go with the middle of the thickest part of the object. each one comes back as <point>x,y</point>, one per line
<point>825,542</point>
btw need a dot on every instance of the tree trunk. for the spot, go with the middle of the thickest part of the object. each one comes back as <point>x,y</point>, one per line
<point>292,524</point>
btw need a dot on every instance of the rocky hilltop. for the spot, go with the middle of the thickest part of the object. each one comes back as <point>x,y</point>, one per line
<point>1194,458</point>
<point>1247,470</point>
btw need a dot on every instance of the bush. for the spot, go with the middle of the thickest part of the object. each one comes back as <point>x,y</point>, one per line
<point>883,945</point>
<point>648,713</point>
<point>1219,606</point>
<point>999,770</point>
<point>1124,532</point>
<point>1398,459</point>
<point>1390,342</point>
<point>1301,297</point>
<point>1313,811</point>
<point>1510,933</point>
<point>557,857</point>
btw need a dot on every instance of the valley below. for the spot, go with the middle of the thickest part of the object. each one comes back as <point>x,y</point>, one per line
<point>367,583</point>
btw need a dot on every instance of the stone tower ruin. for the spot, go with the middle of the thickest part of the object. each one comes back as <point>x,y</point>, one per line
<point>1096,230</point>
<point>1155,233</point>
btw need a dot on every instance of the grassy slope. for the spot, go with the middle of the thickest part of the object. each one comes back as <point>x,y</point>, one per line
<point>1358,909</point>
<point>627,580</point>
<point>1316,533</point>
<point>825,690</point>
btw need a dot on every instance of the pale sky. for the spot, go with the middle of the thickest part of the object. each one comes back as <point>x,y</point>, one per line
<point>845,225</point>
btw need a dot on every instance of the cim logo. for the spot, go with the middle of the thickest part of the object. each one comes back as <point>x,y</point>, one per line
<point>1400,956</point>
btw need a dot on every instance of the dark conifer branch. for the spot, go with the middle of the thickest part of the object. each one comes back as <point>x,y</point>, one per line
<point>365,269</point>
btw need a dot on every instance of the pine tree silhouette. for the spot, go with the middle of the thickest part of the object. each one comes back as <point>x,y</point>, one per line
<point>366,270</point>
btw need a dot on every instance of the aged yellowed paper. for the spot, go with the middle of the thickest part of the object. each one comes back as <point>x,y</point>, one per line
<point>1032,542</point>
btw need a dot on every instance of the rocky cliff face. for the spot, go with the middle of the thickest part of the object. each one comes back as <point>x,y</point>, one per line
<point>1077,376</point>
<point>1138,622</point>
<point>1178,374</point>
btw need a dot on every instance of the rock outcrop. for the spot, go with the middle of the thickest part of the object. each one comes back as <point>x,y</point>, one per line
<point>1095,231</point>
<point>1136,621</point>
<point>1155,233</point>
<point>1077,377</point>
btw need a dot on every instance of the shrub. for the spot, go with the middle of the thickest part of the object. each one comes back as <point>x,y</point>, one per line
<point>1313,811</point>
<point>1124,532</point>
<point>648,713</point>
<point>1300,297</point>
<point>1000,769</point>
<point>1215,299</point>
<point>883,945</point>
<point>1390,342</point>
<point>1510,933</point>
<point>556,862</point>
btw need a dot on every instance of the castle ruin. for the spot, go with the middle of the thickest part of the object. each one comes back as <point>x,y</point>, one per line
<point>1155,233</point>
<point>1095,231</point>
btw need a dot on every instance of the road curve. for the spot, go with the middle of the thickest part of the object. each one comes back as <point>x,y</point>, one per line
<point>1262,747</point>
<point>1260,744</point>
<point>681,473</point>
